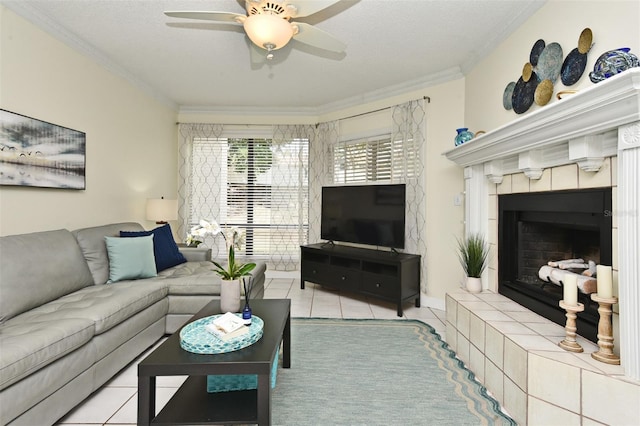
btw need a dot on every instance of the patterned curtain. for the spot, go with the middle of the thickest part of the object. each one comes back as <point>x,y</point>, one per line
<point>209,170</point>
<point>289,188</point>
<point>320,172</point>
<point>409,126</point>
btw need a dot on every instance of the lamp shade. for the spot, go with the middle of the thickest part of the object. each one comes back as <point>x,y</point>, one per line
<point>162,210</point>
<point>268,31</point>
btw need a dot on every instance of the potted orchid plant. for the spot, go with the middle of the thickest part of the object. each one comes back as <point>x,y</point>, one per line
<point>233,273</point>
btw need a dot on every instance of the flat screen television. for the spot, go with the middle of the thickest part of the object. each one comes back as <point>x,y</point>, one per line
<point>364,214</point>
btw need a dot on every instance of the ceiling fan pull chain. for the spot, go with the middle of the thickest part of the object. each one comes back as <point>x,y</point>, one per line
<point>269,47</point>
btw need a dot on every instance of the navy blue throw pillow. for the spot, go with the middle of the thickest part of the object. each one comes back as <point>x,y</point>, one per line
<point>165,248</point>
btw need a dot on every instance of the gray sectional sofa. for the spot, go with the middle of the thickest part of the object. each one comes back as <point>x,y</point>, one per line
<point>65,329</point>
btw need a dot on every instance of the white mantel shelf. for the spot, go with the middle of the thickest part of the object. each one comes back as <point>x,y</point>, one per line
<point>600,108</point>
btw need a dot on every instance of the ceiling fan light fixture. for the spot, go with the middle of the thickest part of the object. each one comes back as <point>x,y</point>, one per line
<point>268,30</point>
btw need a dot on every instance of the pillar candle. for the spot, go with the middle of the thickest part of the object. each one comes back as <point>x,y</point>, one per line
<point>570,289</point>
<point>605,281</point>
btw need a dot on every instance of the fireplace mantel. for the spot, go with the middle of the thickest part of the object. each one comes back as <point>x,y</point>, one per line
<point>585,128</point>
<point>598,109</point>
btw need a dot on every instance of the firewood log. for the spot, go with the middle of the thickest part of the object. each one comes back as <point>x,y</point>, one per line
<point>591,272</point>
<point>586,285</point>
<point>557,263</point>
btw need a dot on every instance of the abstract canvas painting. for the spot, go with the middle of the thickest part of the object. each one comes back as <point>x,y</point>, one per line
<point>40,154</point>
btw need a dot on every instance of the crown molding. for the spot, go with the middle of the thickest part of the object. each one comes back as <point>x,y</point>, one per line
<point>248,110</point>
<point>395,90</point>
<point>32,14</point>
<point>501,33</point>
<point>314,112</point>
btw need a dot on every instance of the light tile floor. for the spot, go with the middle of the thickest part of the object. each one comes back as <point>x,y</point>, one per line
<point>116,402</point>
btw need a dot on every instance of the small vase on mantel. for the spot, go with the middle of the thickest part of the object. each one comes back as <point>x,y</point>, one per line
<point>230,295</point>
<point>463,136</point>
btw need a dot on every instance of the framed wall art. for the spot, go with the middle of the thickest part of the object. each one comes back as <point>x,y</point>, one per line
<point>40,154</point>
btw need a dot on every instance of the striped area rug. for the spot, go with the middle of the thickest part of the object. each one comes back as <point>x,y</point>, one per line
<point>377,372</point>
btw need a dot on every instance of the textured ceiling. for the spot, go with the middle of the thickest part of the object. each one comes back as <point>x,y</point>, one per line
<point>392,46</point>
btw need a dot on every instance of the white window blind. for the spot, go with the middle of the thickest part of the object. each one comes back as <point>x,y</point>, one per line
<point>257,185</point>
<point>373,159</point>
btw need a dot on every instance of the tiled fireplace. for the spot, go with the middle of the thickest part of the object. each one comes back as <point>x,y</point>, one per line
<point>587,142</point>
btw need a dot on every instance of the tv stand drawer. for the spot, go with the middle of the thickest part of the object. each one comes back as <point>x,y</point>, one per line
<point>346,278</point>
<point>382,285</point>
<point>315,272</point>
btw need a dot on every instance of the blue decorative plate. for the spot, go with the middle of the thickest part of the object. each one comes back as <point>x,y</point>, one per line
<point>573,67</point>
<point>195,338</point>
<point>507,95</point>
<point>536,50</point>
<point>550,63</point>
<point>523,94</point>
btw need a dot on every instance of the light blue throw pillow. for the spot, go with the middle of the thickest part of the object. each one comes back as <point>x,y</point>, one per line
<point>130,258</point>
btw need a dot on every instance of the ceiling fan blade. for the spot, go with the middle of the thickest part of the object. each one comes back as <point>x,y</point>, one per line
<point>309,7</point>
<point>209,16</point>
<point>313,36</point>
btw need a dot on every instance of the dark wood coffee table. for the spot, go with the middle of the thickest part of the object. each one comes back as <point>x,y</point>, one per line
<point>192,404</point>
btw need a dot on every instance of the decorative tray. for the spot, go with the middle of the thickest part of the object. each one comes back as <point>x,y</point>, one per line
<point>195,338</point>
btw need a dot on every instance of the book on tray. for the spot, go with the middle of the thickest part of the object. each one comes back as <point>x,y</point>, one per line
<point>227,326</point>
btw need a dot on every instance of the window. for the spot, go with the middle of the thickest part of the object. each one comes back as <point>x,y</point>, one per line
<point>373,159</point>
<point>258,185</point>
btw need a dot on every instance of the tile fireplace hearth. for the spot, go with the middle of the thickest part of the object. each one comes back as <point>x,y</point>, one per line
<point>589,140</point>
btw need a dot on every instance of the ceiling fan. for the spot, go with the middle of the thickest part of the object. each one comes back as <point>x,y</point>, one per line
<point>268,23</point>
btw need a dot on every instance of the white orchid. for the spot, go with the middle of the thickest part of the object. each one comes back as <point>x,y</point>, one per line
<point>234,236</point>
<point>201,230</point>
<point>210,228</point>
<point>234,239</point>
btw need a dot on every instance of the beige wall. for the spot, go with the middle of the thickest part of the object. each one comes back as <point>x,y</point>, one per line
<point>614,24</point>
<point>131,138</point>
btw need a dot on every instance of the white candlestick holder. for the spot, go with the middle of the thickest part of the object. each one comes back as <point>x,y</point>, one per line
<point>605,331</point>
<point>569,343</point>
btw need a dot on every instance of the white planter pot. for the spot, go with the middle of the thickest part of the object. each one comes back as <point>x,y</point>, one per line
<point>474,285</point>
<point>230,296</point>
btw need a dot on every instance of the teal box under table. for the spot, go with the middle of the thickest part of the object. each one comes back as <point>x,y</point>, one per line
<point>236,382</point>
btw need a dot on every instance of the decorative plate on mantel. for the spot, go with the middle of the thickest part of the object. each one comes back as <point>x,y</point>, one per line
<point>550,63</point>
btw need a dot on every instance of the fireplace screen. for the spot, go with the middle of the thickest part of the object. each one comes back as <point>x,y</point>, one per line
<point>541,237</point>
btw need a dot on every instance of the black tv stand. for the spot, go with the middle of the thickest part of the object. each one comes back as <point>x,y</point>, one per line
<point>376,273</point>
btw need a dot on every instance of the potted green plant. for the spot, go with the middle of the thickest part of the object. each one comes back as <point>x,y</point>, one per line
<point>473,253</point>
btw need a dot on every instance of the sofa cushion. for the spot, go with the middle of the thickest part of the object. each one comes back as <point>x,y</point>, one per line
<point>29,345</point>
<point>37,268</point>
<point>165,249</point>
<point>130,258</point>
<point>105,305</point>
<point>94,249</point>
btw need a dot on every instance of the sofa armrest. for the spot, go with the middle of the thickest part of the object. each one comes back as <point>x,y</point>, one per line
<point>196,254</point>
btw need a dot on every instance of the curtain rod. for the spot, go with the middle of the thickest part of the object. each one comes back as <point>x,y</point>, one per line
<point>426,98</point>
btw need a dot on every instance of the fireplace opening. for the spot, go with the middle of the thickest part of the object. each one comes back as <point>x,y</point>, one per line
<point>537,228</point>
